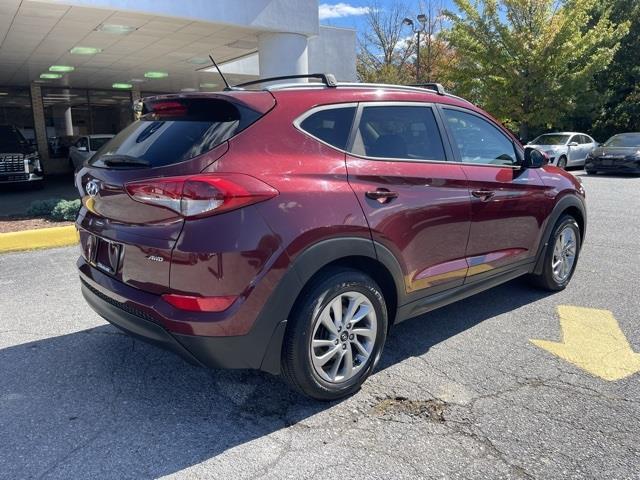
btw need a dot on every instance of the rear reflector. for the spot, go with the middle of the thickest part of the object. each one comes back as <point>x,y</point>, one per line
<point>199,304</point>
<point>201,195</point>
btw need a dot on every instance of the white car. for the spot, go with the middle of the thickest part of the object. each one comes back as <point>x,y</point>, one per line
<point>84,148</point>
<point>565,149</point>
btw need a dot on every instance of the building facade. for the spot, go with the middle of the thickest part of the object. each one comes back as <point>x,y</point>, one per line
<point>73,68</point>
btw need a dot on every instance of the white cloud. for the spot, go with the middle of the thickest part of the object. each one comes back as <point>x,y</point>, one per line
<point>340,10</point>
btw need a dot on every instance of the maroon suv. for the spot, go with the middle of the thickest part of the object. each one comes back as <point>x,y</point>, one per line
<point>287,228</point>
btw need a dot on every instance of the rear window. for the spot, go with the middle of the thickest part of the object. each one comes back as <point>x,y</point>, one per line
<point>98,143</point>
<point>176,130</point>
<point>331,125</point>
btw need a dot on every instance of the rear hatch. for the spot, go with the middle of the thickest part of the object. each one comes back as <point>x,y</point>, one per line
<point>176,135</point>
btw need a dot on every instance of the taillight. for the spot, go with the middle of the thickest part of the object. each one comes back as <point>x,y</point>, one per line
<point>199,304</point>
<point>201,195</point>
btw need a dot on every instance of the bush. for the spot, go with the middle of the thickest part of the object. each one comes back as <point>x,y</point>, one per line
<point>55,208</point>
<point>42,208</point>
<point>65,210</point>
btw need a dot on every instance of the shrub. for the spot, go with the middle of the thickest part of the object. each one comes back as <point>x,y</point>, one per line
<point>42,208</point>
<point>65,210</point>
<point>55,208</point>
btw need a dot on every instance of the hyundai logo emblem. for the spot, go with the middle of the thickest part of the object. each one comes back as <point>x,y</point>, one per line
<point>92,188</point>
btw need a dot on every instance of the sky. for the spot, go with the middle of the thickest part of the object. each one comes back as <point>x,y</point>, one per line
<point>352,13</point>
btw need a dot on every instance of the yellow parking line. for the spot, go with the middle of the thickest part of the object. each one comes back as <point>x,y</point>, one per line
<point>40,238</point>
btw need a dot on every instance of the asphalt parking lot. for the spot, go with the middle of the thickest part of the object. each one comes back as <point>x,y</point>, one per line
<point>462,392</point>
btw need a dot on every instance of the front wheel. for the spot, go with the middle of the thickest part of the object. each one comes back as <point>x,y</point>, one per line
<point>335,335</point>
<point>560,256</point>
<point>562,163</point>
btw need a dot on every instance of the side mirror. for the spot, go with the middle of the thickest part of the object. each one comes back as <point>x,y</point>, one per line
<point>534,158</point>
<point>572,144</point>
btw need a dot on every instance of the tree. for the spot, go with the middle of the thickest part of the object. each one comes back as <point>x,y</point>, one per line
<point>620,83</point>
<point>526,61</point>
<point>384,51</point>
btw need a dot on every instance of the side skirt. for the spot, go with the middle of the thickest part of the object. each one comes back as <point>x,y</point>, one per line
<point>432,302</point>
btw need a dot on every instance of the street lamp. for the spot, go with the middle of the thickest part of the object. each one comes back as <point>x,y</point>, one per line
<point>422,19</point>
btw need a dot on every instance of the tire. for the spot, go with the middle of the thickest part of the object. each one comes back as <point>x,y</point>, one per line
<point>549,279</point>
<point>562,162</point>
<point>590,172</point>
<point>319,301</point>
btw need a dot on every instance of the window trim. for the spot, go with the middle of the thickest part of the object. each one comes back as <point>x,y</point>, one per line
<point>297,123</point>
<point>518,153</point>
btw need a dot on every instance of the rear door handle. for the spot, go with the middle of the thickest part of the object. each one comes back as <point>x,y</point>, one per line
<point>483,195</point>
<point>382,195</point>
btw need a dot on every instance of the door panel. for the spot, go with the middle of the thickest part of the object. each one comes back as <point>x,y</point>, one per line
<point>508,204</point>
<point>426,226</point>
<point>416,203</point>
<point>505,228</point>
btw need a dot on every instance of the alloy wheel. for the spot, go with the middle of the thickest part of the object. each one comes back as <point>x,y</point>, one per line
<point>564,254</point>
<point>344,336</point>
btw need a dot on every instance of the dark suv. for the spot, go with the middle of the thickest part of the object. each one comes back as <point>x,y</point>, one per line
<point>287,228</point>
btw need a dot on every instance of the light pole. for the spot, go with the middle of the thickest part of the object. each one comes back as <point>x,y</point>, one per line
<point>422,20</point>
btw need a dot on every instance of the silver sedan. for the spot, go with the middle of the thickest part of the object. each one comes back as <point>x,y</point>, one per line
<point>565,149</point>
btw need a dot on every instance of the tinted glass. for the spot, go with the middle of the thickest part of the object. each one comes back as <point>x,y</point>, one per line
<point>478,140</point>
<point>11,139</point>
<point>584,139</point>
<point>177,130</point>
<point>331,125</point>
<point>405,132</point>
<point>97,143</point>
<point>550,139</point>
<point>624,140</point>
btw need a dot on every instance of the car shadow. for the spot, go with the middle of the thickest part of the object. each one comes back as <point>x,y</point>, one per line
<point>625,176</point>
<point>98,403</point>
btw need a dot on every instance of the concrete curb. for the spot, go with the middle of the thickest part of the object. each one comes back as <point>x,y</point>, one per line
<point>39,238</point>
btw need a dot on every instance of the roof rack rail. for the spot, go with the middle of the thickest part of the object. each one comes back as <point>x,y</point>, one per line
<point>327,78</point>
<point>431,86</point>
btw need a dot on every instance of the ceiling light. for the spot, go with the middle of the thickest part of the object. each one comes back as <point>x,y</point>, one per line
<point>137,80</point>
<point>188,90</point>
<point>3,94</point>
<point>116,29</point>
<point>156,74</point>
<point>243,44</point>
<point>208,85</point>
<point>122,86</point>
<point>50,76</point>
<point>199,60</point>
<point>61,68</point>
<point>85,50</point>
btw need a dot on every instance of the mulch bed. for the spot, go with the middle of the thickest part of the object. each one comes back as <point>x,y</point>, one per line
<point>19,224</point>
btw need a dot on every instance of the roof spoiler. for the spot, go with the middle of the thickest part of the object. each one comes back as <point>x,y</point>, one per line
<point>327,78</point>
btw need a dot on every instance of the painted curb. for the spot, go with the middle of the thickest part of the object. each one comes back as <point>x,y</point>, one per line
<point>39,238</point>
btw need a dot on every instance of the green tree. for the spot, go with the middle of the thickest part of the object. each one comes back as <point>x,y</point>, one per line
<point>527,61</point>
<point>619,84</point>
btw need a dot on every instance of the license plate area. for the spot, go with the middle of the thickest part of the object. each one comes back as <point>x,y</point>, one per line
<point>103,254</point>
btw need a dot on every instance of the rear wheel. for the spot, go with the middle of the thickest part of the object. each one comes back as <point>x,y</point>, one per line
<point>335,335</point>
<point>561,255</point>
<point>590,171</point>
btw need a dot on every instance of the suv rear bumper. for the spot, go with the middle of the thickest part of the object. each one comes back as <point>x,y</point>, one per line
<point>115,302</point>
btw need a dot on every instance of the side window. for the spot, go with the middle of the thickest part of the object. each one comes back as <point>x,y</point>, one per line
<point>82,143</point>
<point>330,125</point>
<point>395,131</point>
<point>478,140</point>
<point>584,140</point>
<point>576,139</point>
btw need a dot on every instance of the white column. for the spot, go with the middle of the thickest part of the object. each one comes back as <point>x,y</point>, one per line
<point>282,54</point>
<point>68,122</point>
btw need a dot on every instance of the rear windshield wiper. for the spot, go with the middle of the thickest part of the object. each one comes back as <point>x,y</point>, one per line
<point>124,161</point>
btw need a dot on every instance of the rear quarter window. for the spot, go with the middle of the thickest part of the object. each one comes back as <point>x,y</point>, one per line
<point>177,130</point>
<point>331,125</point>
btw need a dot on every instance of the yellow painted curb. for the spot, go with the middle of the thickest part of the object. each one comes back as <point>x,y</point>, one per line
<point>39,238</point>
